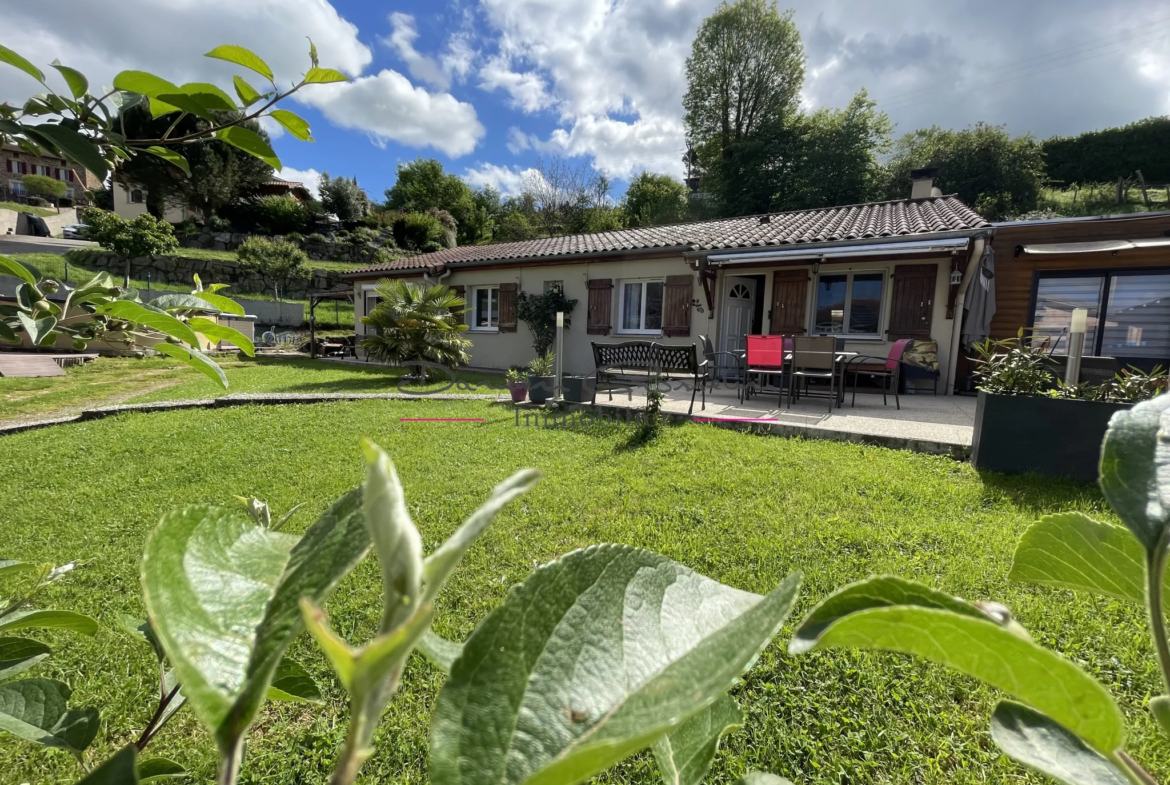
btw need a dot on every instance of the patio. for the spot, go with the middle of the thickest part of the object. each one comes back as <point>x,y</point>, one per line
<point>926,423</point>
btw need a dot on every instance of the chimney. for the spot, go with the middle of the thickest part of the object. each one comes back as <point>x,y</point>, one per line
<point>923,185</point>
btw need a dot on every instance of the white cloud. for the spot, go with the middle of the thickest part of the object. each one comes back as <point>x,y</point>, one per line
<point>509,181</point>
<point>622,149</point>
<point>527,89</point>
<point>459,56</point>
<point>388,107</point>
<point>306,177</point>
<point>401,39</point>
<point>518,141</point>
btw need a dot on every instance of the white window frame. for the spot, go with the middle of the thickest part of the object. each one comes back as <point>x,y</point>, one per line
<point>812,329</point>
<point>493,297</point>
<point>621,330</point>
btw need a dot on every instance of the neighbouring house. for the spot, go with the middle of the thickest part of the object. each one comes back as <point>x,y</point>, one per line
<point>130,199</point>
<point>1115,266</point>
<point>869,274</point>
<point>18,163</point>
<point>278,187</point>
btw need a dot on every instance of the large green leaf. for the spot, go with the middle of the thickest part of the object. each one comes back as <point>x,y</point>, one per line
<point>324,76</point>
<point>210,96</point>
<point>19,654</point>
<point>121,769</point>
<point>762,778</point>
<point>293,123</point>
<point>294,684</point>
<point>154,769</point>
<point>208,574</point>
<point>78,84</point>
<point>170,156</point>
<point>13,567</point>
<point>44,620</point>
<point>1131,463</point>
<point>15,268</point>
<point>36,710</point>
<point>155,320</point>
<point>38,329</point>
<point>250,142</point>
<point>1070,550</point>
<point>77,148</point>
<point>1027,736</point>
<point>224,304</point>
<point>995,653</point>
<point>248,94</point>
<point>619,646</point>
<point>241,56</point>
<point>684,756</point>
<point>221,332</point>
<point>441,652</point>
<point>13,59</point>
<point>196,359</point>
<point>143,83</point>
<point>179,301</point>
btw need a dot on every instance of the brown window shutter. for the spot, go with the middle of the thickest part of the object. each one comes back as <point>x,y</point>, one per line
<point>912,305</point>
<point>789,301</point>
<point>459,292</point>
<point>600,306</point>
<point>507,322</point>
<point>676,306</point>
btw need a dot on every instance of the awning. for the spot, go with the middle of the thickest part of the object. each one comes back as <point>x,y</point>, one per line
<point>821,253</point>
<point>1096,246</point>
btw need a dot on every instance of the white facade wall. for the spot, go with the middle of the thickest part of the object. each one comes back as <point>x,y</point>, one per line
<point>125,208</point>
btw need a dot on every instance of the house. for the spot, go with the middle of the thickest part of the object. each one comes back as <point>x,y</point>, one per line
<point>868,273</point>
<point>278,187</point>
<point>130,199</point>
<point>18,163</point>
<point>1115,266</point>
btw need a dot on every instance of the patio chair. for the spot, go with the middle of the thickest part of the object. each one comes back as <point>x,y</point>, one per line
<point>813,358</point>
<point>890,370</point>
<point>735,367</point>
<point>764,357</point>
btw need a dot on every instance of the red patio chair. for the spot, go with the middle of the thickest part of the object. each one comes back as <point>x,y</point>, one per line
<point>764,357</point>
<point>889,371</point>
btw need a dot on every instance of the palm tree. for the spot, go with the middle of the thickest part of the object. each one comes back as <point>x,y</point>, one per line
<point>415,323</point>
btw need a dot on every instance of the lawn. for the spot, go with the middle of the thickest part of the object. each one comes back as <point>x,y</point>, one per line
<point>107,381</point>
<point>746,510</point>
<point>17,207</point>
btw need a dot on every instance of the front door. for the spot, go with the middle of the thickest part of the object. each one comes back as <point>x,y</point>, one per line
<point>739,300</point>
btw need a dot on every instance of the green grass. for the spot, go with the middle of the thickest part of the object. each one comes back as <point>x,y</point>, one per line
<point>54,266</point>
<point>117,380</point>
<point>1100,200</point>
<point>743,509</point>
<point>207,253</point>
<point>16,207</point>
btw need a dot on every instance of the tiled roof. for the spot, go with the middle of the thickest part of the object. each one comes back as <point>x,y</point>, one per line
<point>289,183</point>
<point>854,222</point>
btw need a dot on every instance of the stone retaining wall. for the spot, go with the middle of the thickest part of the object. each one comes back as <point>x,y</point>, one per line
<point>325,251</point>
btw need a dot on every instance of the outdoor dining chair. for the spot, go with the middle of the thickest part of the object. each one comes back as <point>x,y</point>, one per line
<point>734,368</point>
<point>764,357</point>
<point>889,371</point>
<point>813,358</point>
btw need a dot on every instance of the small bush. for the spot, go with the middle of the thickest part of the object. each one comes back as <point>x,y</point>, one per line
<point>294,237</point>
<point>276,261</point>
<point>419,232</point>
<point>218,224</point>
<point>363,236</point>
<point>144,236</point>
<point>36,201</point>
<point>281,214</point>
<point>316,237</point>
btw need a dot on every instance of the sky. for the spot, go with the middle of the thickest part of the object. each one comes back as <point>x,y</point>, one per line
<point>489,86</point>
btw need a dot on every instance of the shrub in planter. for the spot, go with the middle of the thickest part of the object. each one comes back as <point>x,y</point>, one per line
<point>541,382</point>
<point>517,384</point>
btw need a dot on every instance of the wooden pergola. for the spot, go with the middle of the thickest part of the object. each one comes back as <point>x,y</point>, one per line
<point>314,299</point>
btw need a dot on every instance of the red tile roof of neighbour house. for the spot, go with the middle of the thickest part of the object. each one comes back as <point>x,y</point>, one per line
<point>902,218</point>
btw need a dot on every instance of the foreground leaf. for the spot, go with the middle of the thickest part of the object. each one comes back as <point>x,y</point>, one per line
<point>324,76</point>
<point>196,359</point>
<point>141,629</point>
<point>36,710</point>
<point>1131,463</point>
<point>293,123</point>
<point>60,620</point>
<point>78,84</point>
<point>1072,551</point>
<point>986,650</point>
<point>441,652</point>
<point>762,778</point>
<point>224,304</point>
<point>220,332</point>
<point>19,654</point>
<point>248,94</point>
<point>241,56</point>
<point>77,148</point>
<point>155,320</point>
<point>121,769</point>
<point>154,769</point>
<point>38,329</point>
<point>293,683</point>
<point>171,157</point>
<point>13,59</point>
<point>684,756</point>
<point>180,301</point>
<point>208,574</point>
<point>620,646</point>
<point>15,268</point>
<point>250,142</point>
<point>1028,737</point>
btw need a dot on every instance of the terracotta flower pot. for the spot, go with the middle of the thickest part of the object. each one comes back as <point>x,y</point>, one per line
<point>519,391</point>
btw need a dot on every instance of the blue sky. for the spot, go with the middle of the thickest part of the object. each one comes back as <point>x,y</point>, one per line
<point>488,86</point>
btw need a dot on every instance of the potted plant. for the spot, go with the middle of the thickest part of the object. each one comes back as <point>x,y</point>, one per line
<point>1028,420</point>
<point>541,382</point>
<point>517,385</point>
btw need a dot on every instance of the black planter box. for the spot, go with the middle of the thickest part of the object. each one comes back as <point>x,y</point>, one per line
<point>541,388</point>
<point>579,389</point>
<point>1049,436</point>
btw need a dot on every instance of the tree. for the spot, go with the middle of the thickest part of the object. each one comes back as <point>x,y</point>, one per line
<point>343,197</point>
<point>417,324</point>
<point>43,186</point>
<point>653,199</point>
<point>743,83</point>
<point>539,312</point>
<point>420,232</point>
<point>567,199</point>
<point>983,165</point>
<point>145,235</point>
<point>838,157</point>
<point>276,261</point>
<point>423,185</point>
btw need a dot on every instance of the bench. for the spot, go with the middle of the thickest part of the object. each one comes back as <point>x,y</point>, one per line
<point>634,363</point>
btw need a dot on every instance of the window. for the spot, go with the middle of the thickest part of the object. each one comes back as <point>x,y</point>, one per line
<point>641,307</point>
<point>16,186</point>
<point>849,304</point>
<point>1129,312</point>
<point>136,196</point>
<point>485,303</point>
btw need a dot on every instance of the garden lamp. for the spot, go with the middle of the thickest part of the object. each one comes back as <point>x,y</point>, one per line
<point>560,351</point>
